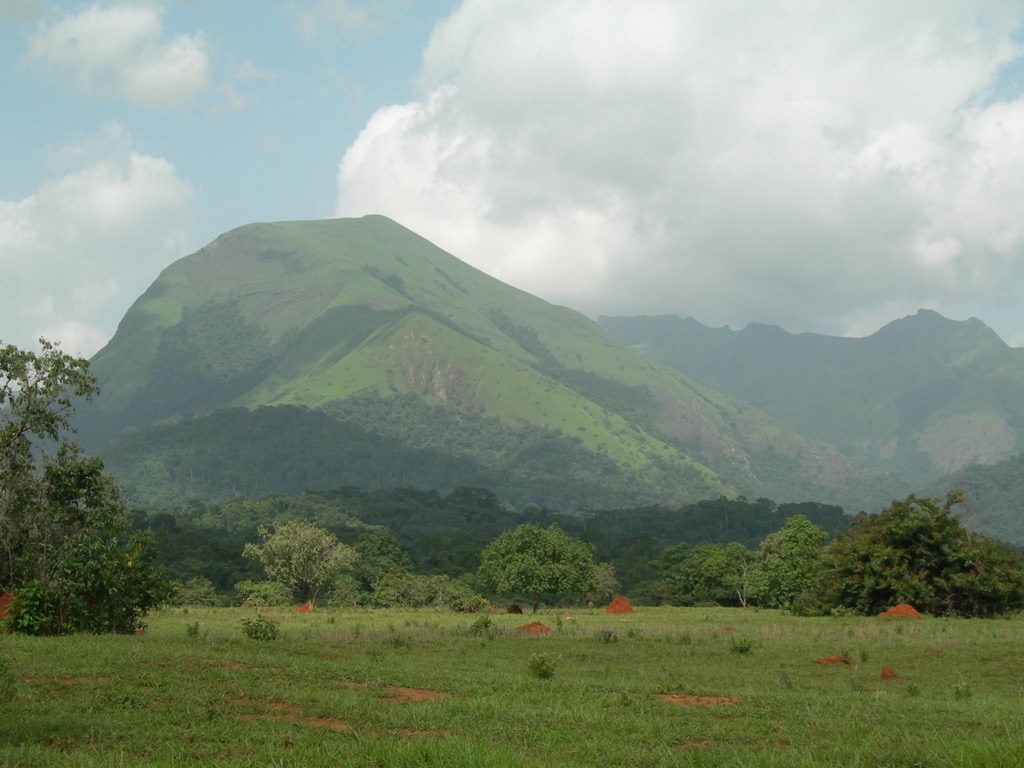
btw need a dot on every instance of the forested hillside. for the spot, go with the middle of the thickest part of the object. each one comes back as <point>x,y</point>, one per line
<point>351,352</point>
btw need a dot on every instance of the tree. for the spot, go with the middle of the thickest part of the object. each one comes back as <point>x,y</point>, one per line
<point>916,551</point>
<point>703,574</point>
<point>66,553</point>
<point>788,565</point>
<point>536,561</point>
<point>301,556</point>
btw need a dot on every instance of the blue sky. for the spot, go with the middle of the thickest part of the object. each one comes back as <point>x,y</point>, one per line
<point>826,167</point>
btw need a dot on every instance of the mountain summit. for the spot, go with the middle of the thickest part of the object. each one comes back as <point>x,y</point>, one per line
<point>308,355</point>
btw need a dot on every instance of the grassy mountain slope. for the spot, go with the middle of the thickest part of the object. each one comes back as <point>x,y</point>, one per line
<point>405,349</point>
<point>921,397</point>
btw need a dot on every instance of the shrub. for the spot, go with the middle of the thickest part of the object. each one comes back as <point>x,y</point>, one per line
<point>260,628</point>
<point>542,666</point>
<point>263,593</point>
<point>481,627</point>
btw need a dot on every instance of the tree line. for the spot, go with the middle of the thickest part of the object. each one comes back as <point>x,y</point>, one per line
<point>76,558</point>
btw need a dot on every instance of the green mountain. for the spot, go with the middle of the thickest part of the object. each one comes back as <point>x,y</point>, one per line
<point>922,397</point>
<point>313,355</point>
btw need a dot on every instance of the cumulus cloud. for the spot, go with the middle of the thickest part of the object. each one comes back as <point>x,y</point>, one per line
<point>79,250</point>
<point>824,166</point>
<point>120,51</point>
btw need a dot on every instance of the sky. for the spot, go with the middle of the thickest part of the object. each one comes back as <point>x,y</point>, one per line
<point>827,167</point>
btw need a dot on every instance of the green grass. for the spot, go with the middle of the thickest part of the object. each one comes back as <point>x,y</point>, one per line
<point>194,689</point>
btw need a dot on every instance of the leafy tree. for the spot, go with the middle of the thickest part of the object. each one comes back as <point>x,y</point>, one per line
<point>301,556</point>
<point>66,553</point>
<point>917,551</point>
<point>788,565</point>
<point>536,561</point>
<point>718,574</point>
<point>379,552</point>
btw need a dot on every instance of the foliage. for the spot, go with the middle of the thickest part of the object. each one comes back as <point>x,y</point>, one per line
<point>261,627</point>
<point>301,556</point>
<point>379,552</point>
<point>66,553</point>
<point>534,561</point>
<point>706,574</point>
<point>917,551</point>
<point>788,566</point>
<point>398,588</point>
<point>195,592</point>
<point>541,666</point>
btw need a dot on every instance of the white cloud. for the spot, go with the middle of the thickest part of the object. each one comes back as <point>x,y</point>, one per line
<point>78,251</point>
<point>824,166</point>
<point>121,51</point>
<point>353,19</point>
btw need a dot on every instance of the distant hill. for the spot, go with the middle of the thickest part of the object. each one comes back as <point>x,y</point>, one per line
<point>313,355</point>
<point>993,497</point>
<point>922,397</point>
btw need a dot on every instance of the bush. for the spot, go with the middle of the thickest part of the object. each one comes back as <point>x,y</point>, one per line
<point>198,591</point>
<point>481,627</point>
<point>260,628</point>
<point>263,593</point>
<point>542,666</point>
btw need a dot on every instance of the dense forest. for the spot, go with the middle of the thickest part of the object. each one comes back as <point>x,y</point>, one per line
<point>443,535</point>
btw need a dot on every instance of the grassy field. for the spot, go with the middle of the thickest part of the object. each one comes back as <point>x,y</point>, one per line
<point>662,687</point>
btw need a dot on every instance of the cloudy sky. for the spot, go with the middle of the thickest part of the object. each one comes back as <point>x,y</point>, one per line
<point>823,166</point>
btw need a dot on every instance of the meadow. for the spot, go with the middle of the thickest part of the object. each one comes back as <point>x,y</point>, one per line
<point>660,687</point>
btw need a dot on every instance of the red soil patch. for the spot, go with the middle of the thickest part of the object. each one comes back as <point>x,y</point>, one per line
<point>222,663</point>
<point>619,605</point>
<point>689,700</point>
<point>828,661</point>
<point>5,601</point>
<point>514,609</point>
<point>902,611</point>
<point>536,628</point>
<point>398,695</point>
<point>888,674</point>
<point>304,608</point>
<point>932,651</point>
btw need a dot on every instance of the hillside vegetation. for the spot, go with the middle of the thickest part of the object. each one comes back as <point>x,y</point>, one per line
<point>312,355</point>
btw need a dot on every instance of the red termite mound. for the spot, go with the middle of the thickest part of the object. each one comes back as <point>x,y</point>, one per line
<point>887,674</point>
<point>619,605</point>
<point>902,610</point>
<point>828,661</point>
<point>304,608</point>
<point>514,609</point>
<point>5,600</point>
<point>536,628</point>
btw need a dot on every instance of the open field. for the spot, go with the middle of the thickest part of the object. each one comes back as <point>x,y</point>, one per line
<point>662,687</point>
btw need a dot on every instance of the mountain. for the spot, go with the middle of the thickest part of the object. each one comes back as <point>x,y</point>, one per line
<point>311,355</point>
<point>922,397</point>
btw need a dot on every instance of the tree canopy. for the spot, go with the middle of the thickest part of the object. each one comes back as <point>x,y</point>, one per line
<point>536,561</point>
<point>302,556</point>
<point>917,551</point>
<point>66,554</point>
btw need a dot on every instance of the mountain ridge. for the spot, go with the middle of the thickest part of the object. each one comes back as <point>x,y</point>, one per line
<point>326,314</point>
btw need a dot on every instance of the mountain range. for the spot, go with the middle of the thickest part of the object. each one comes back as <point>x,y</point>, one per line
<point>294,356</point>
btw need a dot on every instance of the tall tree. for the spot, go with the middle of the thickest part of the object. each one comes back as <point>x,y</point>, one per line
<point>536,561</point>
<point>788,565</point>
<point>63,526</point>
<point>917,551</point>
<point>302,556</point>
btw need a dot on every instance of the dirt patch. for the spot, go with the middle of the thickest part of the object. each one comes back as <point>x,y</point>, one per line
<point>304,608</point>
<point>689,701</point>
<point>282,712</point>
<point>221,663</point>
<point>888,674</point>
<point>534,628</point>
<point>395,694</point>
<point>827,661</point>
<point>399,695</point>
<point>5,602</point>
<point>619,605</point>
<point>903,611</point>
